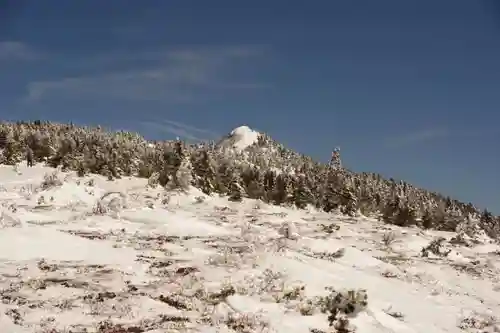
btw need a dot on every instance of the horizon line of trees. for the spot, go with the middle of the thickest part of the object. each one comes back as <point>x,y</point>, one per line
<point>266,171</point>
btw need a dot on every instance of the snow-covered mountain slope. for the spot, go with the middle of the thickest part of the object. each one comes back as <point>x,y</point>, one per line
<point>240,138</point>
<point>142,260</point>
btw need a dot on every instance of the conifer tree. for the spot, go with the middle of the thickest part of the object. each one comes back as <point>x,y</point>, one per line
<point>301,194</point>
<point>269,185</point>
<point>281,191</point>
<point>204,173</point>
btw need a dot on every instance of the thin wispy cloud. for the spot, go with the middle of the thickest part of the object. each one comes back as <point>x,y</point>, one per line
<point>174,76</point>
<point>425,136</point>
<point>418,137</point>
<point>12,50</point>
<point>180,130</point>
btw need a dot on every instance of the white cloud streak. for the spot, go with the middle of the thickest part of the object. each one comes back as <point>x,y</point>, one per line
<point>178,76</point>
<point>418,137</point>
<point>11,50</point>
<point>429,135</point>
<point>181,130</point>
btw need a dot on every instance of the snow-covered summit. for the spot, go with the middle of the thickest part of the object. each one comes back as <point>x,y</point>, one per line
<point>240,138</point>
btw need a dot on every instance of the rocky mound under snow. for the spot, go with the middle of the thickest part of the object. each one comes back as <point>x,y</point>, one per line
<point>240,138</point>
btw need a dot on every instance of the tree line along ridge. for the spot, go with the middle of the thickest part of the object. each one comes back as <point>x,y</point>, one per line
<point>265,170</point>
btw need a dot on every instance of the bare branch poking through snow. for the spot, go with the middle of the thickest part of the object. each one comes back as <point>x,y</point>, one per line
<point>51,180</point>
<point>388,238</point>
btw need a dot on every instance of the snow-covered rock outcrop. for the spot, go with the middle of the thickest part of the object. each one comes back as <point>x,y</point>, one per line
<point>240,138</point>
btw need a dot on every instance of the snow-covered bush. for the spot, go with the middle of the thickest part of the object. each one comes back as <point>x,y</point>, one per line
<point>342,305</point>
<point>51,180</point>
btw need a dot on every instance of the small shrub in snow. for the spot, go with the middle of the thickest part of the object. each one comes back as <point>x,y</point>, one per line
<point>226,258</point>
<point>7,221</point>
<point>315,330</point>
<point>51,180</point>
<point>13,208</point>
<point>331,256</point>
<point>289,230</point>
<point>165,200</point>
<point>481,323</point>
<point>271,281</point>
<point>461,239</point>
<point>154,180</point>
<point>199,199</point>
<point>342,325</point>
<point>290,294</point>
<point>348,303</point>
<point>99,208</point>
<point>388,238</point>
<point>220,296</point>
<point>41,200</point>
<point>235,192</point>
<point>15,316</point>
<point>330,228</point>
<point>246,323</point>
<point>389,274</point>
<point>306,308</point>
<point>436,247</point>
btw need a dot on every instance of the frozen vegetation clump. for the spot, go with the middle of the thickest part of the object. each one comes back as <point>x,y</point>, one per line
<point>51,180</point>
<point>342,305</point>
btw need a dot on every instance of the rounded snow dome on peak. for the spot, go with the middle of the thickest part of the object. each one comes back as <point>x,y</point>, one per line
<point>242,137</point>
<point>242,130</point>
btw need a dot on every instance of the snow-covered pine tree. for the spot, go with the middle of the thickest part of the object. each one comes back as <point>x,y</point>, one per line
<point>203,170</point>
<point>302,195</point>
<point>452,219</point>
<point>282,190</point>
<point>489,223</point>
<point>235,189</point>
<point>331,192</point>
<point>269,184</point>
<point>225,175</point>
<point>252,182</point>
<point>183,176</point>
<point>171,162</point>
<point>405,216</point>
<point>348,201</point>
<point>427,221</point>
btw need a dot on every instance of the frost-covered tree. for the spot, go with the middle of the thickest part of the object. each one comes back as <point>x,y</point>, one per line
<point>183,176</point>
<point>252,182</point>
<point>489,223</point>
<point>301,194</point>
<point>203,170</point>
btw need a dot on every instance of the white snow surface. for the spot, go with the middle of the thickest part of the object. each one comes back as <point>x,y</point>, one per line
<point>243,137</point>
<point>151,265</point>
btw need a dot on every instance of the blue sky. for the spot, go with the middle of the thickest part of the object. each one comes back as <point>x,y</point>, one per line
<point>409,89</point>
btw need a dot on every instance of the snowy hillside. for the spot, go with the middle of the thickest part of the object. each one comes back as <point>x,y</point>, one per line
<point>244,164</point>
<point>92,255</point>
